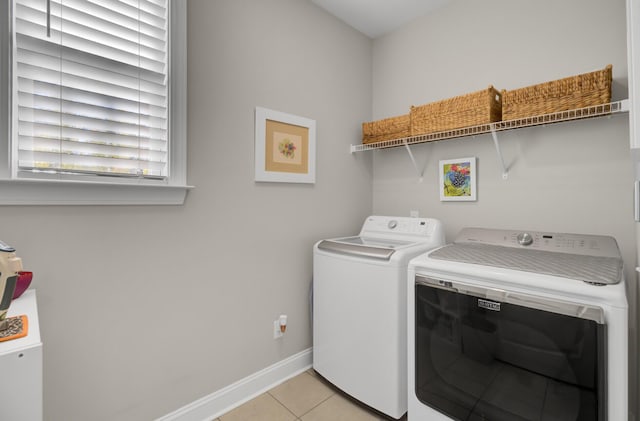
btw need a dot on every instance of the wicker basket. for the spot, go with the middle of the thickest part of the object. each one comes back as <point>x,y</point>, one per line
<point>558,95</point>
<point>472,109</point>
<point>386,129</point>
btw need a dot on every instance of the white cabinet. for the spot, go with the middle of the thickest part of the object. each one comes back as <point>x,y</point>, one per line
<point>633,51</point>
<point>21,366</point>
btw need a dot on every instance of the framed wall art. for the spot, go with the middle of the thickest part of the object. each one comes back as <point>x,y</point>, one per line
<point>285,147</point>
<point>458,179</point>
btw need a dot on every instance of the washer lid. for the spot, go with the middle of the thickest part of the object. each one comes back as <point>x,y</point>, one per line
<point>592,269</point>
<point>374,242</point>
<point>376,248</point>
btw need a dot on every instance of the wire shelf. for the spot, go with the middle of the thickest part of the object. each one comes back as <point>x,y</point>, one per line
<point>557,117</point>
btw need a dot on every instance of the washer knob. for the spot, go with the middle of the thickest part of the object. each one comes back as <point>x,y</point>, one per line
<point>392,224</point>
<point>525,239</point>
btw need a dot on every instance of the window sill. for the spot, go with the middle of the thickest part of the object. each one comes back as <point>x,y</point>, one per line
<point>57,192</point>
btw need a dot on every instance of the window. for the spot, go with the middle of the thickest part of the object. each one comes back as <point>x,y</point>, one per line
<point>95,117</point>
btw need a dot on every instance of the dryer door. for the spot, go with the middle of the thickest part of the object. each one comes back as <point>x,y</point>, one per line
<point>486,354</point>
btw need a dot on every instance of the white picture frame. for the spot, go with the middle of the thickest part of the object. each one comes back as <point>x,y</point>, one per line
<point>285,147</point>
<point>458,179</point>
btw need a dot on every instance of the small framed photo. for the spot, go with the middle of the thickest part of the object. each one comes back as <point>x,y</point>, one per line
<point>458,179</point>
<point>285,147</point>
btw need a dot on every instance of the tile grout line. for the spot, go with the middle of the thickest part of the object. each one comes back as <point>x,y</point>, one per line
<point>319,403</point>
<point>333,393</point>
<point>283,405</point>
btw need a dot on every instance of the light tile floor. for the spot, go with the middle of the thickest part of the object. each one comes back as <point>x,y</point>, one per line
<point>306,397</point>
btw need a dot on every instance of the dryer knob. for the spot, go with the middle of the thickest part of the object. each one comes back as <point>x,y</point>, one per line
<point>392,224</point>
<point>525,239</point>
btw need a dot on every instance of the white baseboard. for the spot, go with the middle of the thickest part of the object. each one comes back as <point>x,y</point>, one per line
<point>234,395</point>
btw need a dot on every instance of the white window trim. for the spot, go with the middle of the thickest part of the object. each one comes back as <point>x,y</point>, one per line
<point>28,191</point>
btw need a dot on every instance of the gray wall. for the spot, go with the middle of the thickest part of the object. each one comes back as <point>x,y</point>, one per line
<point>146,309</point>
<point>569,177</point>
<point>574,177</point>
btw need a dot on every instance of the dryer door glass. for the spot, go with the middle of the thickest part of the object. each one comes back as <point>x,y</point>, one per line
<point>481,359</point>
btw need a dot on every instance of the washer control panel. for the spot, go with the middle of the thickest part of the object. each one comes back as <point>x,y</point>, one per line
<point>584,244</point>
<point>397,225</point>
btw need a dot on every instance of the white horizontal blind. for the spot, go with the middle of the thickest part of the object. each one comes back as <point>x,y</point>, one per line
<point>92,96</point>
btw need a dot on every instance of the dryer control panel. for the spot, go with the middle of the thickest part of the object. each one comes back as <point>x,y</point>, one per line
<point>583,244</point>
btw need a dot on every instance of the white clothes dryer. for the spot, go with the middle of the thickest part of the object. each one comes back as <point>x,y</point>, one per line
<point>360,307</point>
<point>506,325</point>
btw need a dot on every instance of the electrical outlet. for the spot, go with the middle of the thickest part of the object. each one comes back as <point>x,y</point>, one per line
<point>277,333</point>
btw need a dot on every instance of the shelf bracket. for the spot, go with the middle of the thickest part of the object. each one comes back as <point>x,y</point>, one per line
<point>494,134</point>
<point>413,160</point>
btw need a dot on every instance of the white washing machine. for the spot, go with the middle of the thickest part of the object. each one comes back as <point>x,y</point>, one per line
<point>360,307</point>
<point>506,325</point>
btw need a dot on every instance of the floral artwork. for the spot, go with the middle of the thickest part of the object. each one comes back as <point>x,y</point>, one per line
<point>287,151</point>
<point>285,147</point>
<point>457,179</point>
